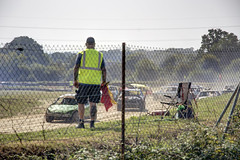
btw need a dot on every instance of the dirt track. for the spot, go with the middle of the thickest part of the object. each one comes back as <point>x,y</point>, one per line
<point>37,122</point>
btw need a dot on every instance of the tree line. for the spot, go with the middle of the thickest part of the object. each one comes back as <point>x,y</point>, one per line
<point>24,60</point>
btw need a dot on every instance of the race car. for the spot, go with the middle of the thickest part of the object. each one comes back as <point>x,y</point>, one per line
<point>64,108</point>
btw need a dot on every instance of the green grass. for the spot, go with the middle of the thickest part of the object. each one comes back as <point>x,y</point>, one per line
<point>14,103</point>
<point>210,109</point>
<point>196,142</point>
<point>147,127</point>
<point>145,136</point>
<point>137,128</point>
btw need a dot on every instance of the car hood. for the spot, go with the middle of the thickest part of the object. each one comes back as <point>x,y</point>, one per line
<point>131,98</point>
<point>135,98</point>
<point>203,97</point>
<point>62,108</point>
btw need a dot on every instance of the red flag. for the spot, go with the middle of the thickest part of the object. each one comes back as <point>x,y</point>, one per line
<point>107,98</point>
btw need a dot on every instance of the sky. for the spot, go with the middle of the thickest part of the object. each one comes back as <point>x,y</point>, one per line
<point>146,23</point>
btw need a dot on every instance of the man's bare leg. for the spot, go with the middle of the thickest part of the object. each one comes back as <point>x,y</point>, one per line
<point>81,110</point>
<point>93,113</point>
<point>81,115</point>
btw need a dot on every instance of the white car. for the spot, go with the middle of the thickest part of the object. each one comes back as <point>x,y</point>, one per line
<point>165,90</point>
<point>208,93</point>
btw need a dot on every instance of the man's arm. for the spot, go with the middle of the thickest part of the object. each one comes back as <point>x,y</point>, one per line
<point>104,75</point>
<point>76,69</point>
<point>104,72</point>
<point>75,75</point>
<point>75,72</point>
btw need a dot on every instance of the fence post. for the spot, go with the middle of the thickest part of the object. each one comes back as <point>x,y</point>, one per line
<point>123,99</point>
<point>232,110</point>
<point>226,107</point>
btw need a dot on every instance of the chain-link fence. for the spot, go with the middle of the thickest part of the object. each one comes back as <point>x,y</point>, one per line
<point>37,97</point>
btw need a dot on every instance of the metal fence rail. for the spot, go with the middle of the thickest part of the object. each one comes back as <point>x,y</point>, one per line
<point>33,77</point>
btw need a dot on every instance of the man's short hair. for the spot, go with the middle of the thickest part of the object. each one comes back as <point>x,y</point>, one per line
<point>90,40</point>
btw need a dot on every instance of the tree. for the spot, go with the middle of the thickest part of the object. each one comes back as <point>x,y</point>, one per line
<point>132,60</point>
<point>235,66</point>
<point>209,61</point>
<point>9,66</point>
<point>216,39</point>
<point>24,73</point>
<point>23,43</point>
<point>183,70</point>
<point>203,76</point>
<point>231,73</point>
<point>146,70</point>
<point>222,44</point>
<point>28,47</point>
<point>170,63</point>
<point>173,61</point>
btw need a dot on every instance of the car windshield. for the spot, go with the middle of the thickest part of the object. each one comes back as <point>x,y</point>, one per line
<point>215,93</point>
<point>172,89</point>
<point>112,89</point>
<point>140,86</point>
<point>68,101</point>
<point>203,94</point>
<point>133,93</point>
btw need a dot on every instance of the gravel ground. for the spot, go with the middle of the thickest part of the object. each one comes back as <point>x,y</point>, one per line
<point>37,122</point>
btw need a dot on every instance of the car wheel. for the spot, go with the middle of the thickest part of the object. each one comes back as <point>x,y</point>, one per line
<point>119,107</point>
<point>49,119</point>
<point>142,106</point>
<point>75,117</point>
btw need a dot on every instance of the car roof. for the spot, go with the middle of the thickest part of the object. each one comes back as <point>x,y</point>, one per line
<point>67,96</point>
<point>170,86</point>
<point>132,89</point>
<point>196,86</point>
<point>210,91</point>
<point>113,86</point>
<point>138,85</point>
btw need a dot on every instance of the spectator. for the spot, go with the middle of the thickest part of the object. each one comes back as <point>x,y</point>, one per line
<point>88,71</point>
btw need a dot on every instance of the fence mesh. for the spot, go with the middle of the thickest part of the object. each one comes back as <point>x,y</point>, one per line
<point>35,78</point>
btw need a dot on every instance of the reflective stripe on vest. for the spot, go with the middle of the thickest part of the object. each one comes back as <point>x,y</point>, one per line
<point>91,68</point>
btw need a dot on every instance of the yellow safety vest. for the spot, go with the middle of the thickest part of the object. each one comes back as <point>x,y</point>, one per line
<point>90,67</point>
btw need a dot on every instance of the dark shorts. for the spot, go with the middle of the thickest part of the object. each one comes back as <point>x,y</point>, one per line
<point>88,92</point>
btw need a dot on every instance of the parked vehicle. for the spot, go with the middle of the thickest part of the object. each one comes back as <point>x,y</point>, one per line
<point>134,99</point>
<point>208,93</point>
<point>115,91</point>
<point>171,90</point>
<point>145,89</point>
<point>229,87</point>
<point>227,91</point>
<point>196,89</point>
<point>64,108</point>
<point>165,90</point>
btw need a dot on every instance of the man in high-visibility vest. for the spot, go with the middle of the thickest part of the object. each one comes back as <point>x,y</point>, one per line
<point>89,73</point>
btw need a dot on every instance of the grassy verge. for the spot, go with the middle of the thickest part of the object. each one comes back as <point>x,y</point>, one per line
<point>146,138</point>
<point>192,142</point>
<point>208,110</point>
<point>107,135</point>
<point>145,127</point>
<point>14,103</point>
